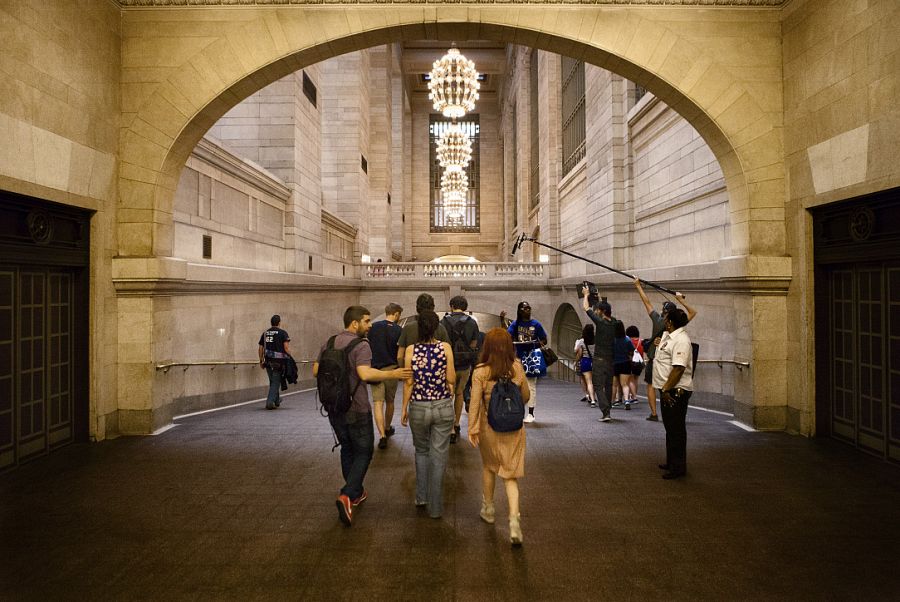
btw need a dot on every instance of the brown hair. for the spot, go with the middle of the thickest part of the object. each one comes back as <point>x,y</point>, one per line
<point>498,353</point>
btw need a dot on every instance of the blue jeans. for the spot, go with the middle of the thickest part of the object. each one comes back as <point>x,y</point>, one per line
<point>431,423</point>
<point>273,399</point>
<point>354,433</point>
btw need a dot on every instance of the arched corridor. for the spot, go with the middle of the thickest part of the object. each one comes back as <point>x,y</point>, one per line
<point>239,504</point>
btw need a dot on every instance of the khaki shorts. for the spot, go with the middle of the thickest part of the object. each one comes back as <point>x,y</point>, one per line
<point>462,378</point>
<point>386,390</point>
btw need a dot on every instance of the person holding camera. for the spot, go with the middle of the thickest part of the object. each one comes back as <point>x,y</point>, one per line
<point>600,314</point>
<point>673,377</point>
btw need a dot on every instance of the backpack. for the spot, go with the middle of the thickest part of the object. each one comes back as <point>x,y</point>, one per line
<point>506,410</point>
<point>463,355</point>
<point>333,378</point>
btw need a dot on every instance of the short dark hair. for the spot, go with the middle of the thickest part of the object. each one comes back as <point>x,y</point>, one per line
<point>355,313</point>
<point>459,302</point>
<point>633,331</point>
<point>424,302</point>
<point>392,308</point>
<point>677,317</point>
<point>276,320</point>
<point>605,308</point>
<point>428,323</point>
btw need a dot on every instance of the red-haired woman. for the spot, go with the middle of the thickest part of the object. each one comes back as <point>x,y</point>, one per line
<point>502,454</point>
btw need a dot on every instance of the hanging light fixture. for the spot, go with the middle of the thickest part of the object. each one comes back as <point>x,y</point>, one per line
<point>454,149</point>
<point>454,193</point>
<point>453,88</point>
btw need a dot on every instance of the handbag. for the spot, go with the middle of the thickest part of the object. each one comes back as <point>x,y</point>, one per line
<point>534,363</point>
<point>550,356</point>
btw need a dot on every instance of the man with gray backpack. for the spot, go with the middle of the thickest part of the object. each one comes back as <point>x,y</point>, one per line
<point>342,371</point>
<point>463,331</point>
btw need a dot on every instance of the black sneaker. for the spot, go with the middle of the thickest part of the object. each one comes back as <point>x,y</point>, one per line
<point>452,437</point>
<point>390,432</point>
<point>382,443</point>
<point>653,418</point>
<point>605,418</point>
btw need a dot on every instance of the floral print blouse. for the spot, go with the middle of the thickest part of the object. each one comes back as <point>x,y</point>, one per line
<point>429,366</point>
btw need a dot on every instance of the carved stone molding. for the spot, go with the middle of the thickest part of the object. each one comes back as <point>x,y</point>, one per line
<point>195,3</point>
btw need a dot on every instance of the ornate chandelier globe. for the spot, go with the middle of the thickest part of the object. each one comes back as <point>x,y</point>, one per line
<point>454,179</point>
<point>454,148</point>
<point>453,88</point>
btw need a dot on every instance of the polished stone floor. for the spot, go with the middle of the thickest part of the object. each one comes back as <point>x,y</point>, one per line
<point>239,505</point>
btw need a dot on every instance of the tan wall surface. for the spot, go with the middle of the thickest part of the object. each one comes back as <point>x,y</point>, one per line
<point>842,139</point>
<point>59,109</point>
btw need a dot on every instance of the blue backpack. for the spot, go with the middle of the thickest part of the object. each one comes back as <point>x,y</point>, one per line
<point>506,410</point>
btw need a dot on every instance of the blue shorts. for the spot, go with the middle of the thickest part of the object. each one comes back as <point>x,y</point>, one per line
<point>585,365</point>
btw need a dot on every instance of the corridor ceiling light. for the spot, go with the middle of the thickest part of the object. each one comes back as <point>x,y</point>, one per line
<point>453,88</point>
<point>454,149</point>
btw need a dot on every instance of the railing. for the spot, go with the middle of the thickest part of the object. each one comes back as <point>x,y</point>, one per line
<point>740,365</point>
<point>462,270</point>
<point>215,363</point>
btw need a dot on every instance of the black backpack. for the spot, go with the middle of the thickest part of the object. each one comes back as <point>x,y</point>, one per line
<point>333,378</point>
<point>463,355</point>
<point>506,410</point>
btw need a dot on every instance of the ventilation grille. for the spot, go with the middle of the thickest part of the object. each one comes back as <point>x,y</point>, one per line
<point>207,247</point>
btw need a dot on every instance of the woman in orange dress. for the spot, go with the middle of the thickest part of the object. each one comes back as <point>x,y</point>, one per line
<point>502,454</point>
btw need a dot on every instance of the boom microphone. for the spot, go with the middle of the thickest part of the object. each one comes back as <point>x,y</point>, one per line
<point>519,240</point>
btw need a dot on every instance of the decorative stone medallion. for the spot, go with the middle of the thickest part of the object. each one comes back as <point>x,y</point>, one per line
<point>40,227</point>
<point>862,222</point>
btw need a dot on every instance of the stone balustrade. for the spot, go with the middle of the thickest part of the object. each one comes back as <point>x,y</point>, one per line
<point>455,270</point>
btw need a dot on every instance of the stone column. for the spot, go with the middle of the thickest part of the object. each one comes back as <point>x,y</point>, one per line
<point>399,174</point>
<point>380,157</point>
<point>549,128</point>
<point>345,141</point>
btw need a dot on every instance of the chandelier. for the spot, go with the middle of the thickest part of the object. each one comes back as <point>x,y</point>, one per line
<point>454,149</point>
<point>454,86</point>
<point>454,193</point>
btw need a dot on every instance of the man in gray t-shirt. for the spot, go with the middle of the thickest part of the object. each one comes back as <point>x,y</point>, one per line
<point>353,428</point>
<point>602,368</point>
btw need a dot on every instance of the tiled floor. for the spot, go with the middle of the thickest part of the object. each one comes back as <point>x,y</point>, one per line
<point>239,504</point>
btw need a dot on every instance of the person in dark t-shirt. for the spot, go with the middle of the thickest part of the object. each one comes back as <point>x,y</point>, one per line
<point>383,337</point>
<point>273,351</point>
<point>602,364</point>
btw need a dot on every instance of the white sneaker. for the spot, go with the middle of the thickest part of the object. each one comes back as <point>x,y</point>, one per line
<point>529,418</point>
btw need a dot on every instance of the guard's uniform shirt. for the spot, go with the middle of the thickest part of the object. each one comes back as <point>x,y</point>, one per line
<point>674,350</point>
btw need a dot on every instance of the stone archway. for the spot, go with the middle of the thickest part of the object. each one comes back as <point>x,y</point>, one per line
<point>185,68</point>
<point>194,65</point>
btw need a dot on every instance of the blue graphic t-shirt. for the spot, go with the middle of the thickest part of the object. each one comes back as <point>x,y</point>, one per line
<point>526,332</point>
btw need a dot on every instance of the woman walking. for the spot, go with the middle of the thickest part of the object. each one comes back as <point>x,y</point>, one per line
<point>502,454</point>
<point>428,409</point>
<point>583,353</point>
<point>623,350</point>
<point>636,367</point>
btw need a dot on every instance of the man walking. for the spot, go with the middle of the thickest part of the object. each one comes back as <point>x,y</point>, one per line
<point>673,369</point>
<point>383,339</point>
<point>273,353</point>
<point>353,428</point>
<point>410,334</point>
<point>463,331</point>
<point>602,363</point>
<point>658,321</point>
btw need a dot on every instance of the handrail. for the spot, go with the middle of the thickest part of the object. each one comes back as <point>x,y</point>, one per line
<point>740,365</point>
<point>214,363</point>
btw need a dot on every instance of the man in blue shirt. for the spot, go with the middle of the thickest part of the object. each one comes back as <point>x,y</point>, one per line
<point>527,335</point>
<point>273,353</point>
<point>383,337</point>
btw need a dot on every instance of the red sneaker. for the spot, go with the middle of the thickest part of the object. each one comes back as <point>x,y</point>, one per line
<point>345,509</point>
<point>360,499</point>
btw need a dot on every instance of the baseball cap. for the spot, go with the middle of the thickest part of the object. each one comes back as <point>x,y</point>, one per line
<point>668,306</point>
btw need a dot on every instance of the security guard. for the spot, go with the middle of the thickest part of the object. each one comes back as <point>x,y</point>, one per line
<point>673,377</point>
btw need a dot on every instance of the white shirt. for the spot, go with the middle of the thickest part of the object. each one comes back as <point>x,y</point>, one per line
<point>585,352</point>
<point>674,350</point>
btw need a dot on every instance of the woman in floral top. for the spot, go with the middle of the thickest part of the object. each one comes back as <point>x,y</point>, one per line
<point>428,409</point>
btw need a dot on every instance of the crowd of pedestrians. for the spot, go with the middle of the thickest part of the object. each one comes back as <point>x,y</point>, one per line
<point>442,363</point>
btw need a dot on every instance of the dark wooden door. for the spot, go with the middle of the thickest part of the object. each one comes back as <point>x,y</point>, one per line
<point>36,361</point>
<point>857,252</point>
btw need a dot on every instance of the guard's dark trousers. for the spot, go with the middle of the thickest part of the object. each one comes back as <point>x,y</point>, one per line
<point>674,417</point>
